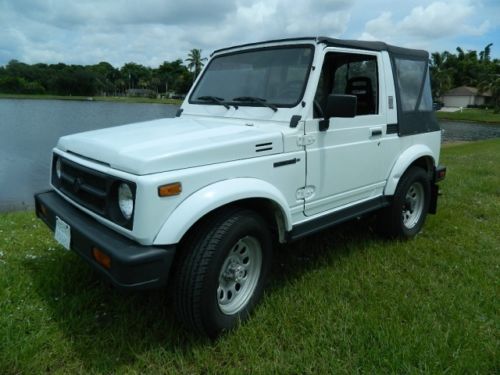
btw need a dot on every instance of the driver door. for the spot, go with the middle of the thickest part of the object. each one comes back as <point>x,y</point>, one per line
<point>350,161</point>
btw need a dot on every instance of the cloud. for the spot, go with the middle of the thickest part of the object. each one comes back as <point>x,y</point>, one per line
<point>152,31</point>
<point>435,21</point>
<point>439,19</point>
<point>275,19</point>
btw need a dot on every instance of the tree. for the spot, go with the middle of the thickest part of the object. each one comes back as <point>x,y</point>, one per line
<point>484,55</point>
<point>174,77</point>
<point>106,76</point>
<point>135,74</point>
<point>468,68</point>
<point>195,61</point>
<point>441,75</point>
<point>492,86</point>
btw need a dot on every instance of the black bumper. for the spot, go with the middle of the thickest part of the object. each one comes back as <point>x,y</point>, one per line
<point>133,266</point>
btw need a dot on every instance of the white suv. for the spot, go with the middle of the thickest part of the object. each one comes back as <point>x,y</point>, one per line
<point>275,141</point>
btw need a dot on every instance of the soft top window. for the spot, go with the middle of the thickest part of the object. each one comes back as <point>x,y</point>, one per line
<point>414,86</point>
<point>414,95</point>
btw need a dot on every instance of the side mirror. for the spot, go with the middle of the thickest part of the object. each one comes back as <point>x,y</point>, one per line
<point>338,106</point>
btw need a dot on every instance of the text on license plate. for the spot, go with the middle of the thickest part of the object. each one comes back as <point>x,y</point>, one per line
<point>62,234</point>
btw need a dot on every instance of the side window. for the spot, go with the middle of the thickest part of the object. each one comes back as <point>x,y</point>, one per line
<point>413,82</point>
<point>351,74</point>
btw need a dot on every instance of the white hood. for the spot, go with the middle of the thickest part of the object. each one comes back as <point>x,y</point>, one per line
<point>174,143</point>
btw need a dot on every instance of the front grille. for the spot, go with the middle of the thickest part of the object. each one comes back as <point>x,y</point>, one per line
<point>91,189</point>
<point>85,186</point>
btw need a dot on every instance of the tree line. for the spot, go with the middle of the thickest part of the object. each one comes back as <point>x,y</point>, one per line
<point>466,68</point>
<point>448,70</point>
<point>99,79</point>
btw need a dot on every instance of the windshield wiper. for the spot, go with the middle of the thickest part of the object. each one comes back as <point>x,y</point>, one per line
<point>214,99</point>
<point>255,100</point>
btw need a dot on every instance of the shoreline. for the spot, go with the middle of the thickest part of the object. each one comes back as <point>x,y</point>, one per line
<point>469,121</point>
<point>473,116</point>
<point>115,99</point>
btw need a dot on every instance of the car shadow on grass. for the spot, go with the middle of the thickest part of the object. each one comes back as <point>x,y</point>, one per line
<point>107,329</point>
<point>291,261</point>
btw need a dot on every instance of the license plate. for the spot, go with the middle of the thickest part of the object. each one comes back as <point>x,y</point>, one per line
<point>62,233</point>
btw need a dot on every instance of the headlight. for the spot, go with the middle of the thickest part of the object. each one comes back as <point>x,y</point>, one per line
<point>125,200</point>
<point>58,168</point>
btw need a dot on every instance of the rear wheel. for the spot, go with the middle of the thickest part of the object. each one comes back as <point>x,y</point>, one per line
<point>222,271</point>
<point>406,216</point>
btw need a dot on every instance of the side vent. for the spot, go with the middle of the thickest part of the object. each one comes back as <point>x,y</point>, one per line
<point>264,147</point>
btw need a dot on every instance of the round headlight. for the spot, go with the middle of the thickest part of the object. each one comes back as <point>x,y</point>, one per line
<point>58,168</point>
<point>125,200</point>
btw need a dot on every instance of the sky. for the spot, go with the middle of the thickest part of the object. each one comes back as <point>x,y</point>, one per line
<point>149,32</point>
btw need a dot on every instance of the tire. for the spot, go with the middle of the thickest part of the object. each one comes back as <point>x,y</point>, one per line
<point>406,215</point>
<point>222,271</point>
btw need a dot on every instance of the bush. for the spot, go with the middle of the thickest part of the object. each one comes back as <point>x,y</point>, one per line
<point>16,85</point>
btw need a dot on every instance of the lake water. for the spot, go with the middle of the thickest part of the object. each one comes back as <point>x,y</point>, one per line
<point>468,131</point>
<point>29,129</point>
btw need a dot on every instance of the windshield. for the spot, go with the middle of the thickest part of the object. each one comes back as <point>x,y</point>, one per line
<point>274,76</point>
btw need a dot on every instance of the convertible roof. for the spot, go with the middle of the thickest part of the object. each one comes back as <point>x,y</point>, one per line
<point>374,46</point>
<point>356,44</point>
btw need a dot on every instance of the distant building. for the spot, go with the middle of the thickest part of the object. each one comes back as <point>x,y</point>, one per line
<point>146,93</point>
<point>464,96</point>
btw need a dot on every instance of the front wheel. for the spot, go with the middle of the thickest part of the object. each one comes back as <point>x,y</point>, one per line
<point>406,215</point>
<point>222,271</point>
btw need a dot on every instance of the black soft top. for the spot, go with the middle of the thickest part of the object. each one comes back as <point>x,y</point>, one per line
<point>373,46</point>
<point>347,43</point>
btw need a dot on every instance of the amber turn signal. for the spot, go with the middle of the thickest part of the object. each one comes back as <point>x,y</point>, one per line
<point>101,258</point>
<point>170,189</point>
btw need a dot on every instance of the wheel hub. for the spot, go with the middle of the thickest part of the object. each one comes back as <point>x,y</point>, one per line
<point>413,206</point>
<point>235,272</point>
<point>239,275</point>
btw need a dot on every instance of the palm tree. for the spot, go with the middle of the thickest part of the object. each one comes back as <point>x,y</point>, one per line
<point>195,61</point>
<point>441,76</point>
<point>484,55</point>
<point>492,85</point>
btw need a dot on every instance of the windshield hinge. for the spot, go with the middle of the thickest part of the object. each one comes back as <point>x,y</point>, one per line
<point>305,140</point>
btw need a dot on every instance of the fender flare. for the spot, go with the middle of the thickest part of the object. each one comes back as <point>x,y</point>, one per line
<point>404,161</point>
<point>216,195</point>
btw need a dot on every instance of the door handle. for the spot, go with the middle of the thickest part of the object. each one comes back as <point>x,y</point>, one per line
<point>376,133</point>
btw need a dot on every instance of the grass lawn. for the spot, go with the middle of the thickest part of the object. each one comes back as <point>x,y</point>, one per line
<point>119,99</point>
<point>344,301</point>
<point>471,114</point>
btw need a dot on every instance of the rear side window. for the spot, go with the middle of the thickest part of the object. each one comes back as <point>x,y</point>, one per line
<point>414,85</point>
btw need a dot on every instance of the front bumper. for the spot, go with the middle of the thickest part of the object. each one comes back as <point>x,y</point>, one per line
<point>133,266</point>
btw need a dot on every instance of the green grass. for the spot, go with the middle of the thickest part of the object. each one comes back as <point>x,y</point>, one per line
<point>344,301</point>
<point>119,99</point>
<point>468,114</point>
